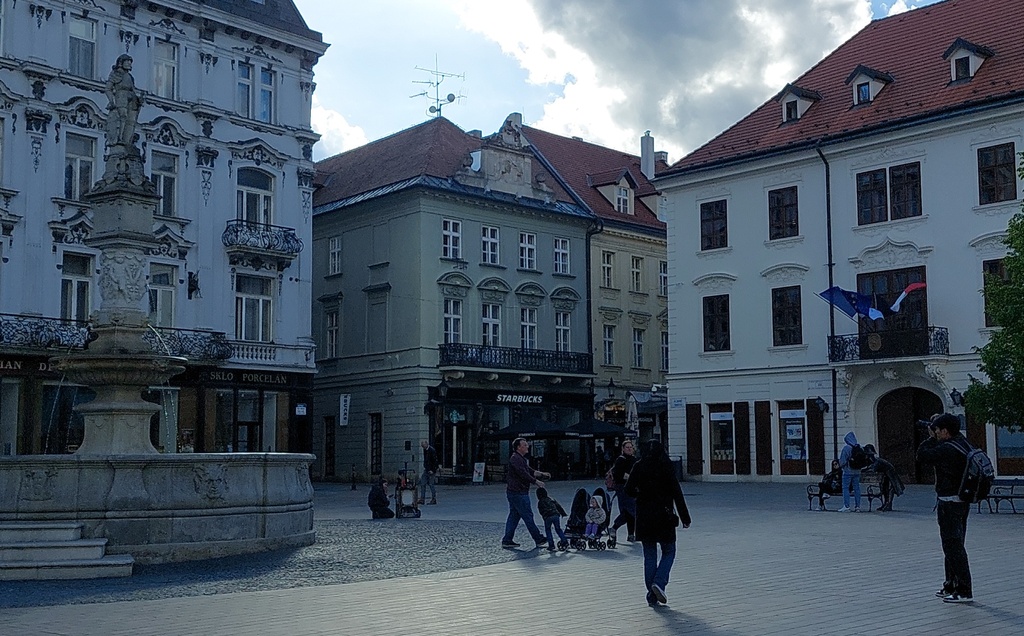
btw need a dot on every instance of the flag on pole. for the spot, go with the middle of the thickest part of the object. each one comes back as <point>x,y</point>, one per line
<point>910,288</point>
<point>853,303</point>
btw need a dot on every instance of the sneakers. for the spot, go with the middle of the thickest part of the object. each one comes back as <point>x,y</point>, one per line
<point>957,598</point>
<point>821,508</point>
<point>551,548</point>
<point>419,502</point>
<point>431,502</point>
<point>857,509</point>
<point>631,538</point>
<point>943,593</point>
<point>659,594</point>
<point>845,509</point>
<point>540,543</point>
<point>509,544</point>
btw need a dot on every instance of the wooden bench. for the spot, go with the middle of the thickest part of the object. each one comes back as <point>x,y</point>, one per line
<point>1009,490</point>
<point>870,488</point>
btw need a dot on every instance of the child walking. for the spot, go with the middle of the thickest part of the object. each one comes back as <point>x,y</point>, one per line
<point>551,512</point>
<point>595,517</point>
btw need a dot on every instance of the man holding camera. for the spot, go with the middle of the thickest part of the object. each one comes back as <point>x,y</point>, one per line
<point>946,449</point>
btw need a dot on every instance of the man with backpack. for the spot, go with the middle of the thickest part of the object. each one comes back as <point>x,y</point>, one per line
<point>852,459</point>
<point>947,450</point>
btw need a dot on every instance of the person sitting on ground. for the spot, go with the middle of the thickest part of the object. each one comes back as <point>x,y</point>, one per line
<point>830,484</point>
<point>890,486</point>
<point>595,517</point>
<point>379,502</point>
<point>551,512</point>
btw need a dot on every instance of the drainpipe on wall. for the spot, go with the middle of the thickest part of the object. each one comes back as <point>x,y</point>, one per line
<point>831,283</point>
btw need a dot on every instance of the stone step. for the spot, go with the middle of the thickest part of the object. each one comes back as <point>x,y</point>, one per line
<point>34,551</point>
<point>23,531</point>
<point>115,565</point>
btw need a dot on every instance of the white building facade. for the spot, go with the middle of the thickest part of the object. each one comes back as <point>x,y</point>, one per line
<point>225,133</point>
<point>853,191</point>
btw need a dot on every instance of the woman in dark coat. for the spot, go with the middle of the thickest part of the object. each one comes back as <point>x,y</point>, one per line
<point>627,505</point>
<point>653,483</point>
<point>378,501</point>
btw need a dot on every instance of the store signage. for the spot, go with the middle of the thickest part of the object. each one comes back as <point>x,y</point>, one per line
<point>721,417</point>
<point>25,366</point>
<point>517,398</point>
<point>249,377</point>
<point>300,409</point>
<point>794,414</point>
<point>344,400</point>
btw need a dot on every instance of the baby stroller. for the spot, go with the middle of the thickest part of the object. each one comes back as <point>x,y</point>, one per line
<point>406,497</point>
<point>575,527</point>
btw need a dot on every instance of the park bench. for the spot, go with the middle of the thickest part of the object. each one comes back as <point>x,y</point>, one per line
<point>1009,490</point>
<point>870,488</point>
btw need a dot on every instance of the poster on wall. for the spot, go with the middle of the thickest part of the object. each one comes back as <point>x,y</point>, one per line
<point>478,472</point>
<point>793,444</point>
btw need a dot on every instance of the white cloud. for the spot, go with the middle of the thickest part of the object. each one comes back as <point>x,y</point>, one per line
<point>337,135</point>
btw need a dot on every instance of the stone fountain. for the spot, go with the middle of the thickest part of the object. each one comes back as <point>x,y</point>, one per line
<point>156,507</point>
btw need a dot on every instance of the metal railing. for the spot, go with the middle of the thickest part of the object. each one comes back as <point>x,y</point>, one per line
<point>480,356</point>
<point>880,345</point>
<point>40,332</point>
<point>195,345</point>
<point>273,238</point>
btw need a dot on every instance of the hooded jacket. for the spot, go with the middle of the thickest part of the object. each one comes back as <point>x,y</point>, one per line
<point>844,455</point>
<point>596,515</point>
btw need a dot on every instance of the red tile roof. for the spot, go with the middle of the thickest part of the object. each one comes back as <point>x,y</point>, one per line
<point>584,166</point>
<point>910,48</point>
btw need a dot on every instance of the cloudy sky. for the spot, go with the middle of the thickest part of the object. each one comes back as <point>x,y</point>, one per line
<point>604,70</point>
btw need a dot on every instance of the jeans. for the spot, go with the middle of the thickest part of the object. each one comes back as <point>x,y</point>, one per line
<point>519,508</point>
<point>848,479</point>
<point>627,511</point>
<point>556,523</point>
<point>952,516</point>
<point>655,572</point>
<point>428,479</point>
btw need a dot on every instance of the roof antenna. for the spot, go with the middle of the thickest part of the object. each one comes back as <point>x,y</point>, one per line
<point>437,77</point>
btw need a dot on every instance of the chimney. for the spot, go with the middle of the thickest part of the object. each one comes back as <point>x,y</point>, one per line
<point>647,155</point>
<point>662,156</point>
<point>476,132</point>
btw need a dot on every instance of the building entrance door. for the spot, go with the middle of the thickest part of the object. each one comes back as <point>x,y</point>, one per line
<point>899,436</point>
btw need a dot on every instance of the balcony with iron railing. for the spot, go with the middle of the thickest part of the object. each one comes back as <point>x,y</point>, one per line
<point>197,346</point>
<point>39,333</point>
<point>513,359</point>
<point>885,345</point>
<point>260,245</point>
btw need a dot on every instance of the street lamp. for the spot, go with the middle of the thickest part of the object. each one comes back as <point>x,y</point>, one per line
<point>956,397</point>
<point>821,404</point>
<point>611,388</point>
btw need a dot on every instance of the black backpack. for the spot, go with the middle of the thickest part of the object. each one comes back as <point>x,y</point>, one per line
<point>978,475</point>
<point>858,458</point>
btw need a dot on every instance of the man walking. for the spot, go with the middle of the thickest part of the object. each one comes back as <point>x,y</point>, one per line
<point>946,449</point>
<point>518,477</point>
<point>429,476</point>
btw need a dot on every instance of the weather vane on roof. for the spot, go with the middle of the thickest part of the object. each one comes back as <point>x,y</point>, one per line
<point>437,77</point>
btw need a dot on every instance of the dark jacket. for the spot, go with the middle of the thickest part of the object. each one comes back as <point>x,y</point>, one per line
<point>518,475</point>
<point>548,507</point>
<point>623,464</point>
<point>430,462</point>
<point>949,459</point>
<point>653,482</point>
<point>377,498</point>
<point>832,483</point>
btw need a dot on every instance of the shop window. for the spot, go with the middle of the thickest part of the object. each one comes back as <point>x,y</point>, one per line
<point>793,433</point>
<point>723,441</point>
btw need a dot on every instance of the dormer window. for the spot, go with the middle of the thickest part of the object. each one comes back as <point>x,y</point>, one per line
<point>622,199</point>
<point>795,102</point>
<point>965,58</point>
<point>867,83</point>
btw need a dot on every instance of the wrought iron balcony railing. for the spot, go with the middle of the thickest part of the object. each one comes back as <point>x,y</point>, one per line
<point>41,333</point>
<point>196,346</point>
<point>880,345</point>
<point>480,356</point>
<point>259,244</point>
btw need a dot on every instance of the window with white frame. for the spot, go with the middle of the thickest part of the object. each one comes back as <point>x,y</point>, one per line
<point>165,177</point>
<point>638,347</point>
<point>255,92</point>
<point>491,318</point>
<point>528,327</point>
<point>254,308</point>
<point>561,256</point>
<point>161,294</point>
<point>607,269</point>
<point>622,199</point>
<point>334,255</point>
<point>331,330</point>
<point>636,274</point>
<point>663,278</point>
<point>165,69</point>
<point>81,47</point>
<point>664,351</point>
<point>452,321</point>
<point>527,250</point>
<point>451,239</point>
<point>563,331</point>
<point>254,201</point>
<point>265,96</point>
<point>489,253</point>
<point>608,343</point>
<point>75,286</point>
<point>79,160</point>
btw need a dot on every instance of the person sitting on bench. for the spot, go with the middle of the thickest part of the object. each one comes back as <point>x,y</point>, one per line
<point>831,484</point>
<point>378,501</point>
<point>890,486</point>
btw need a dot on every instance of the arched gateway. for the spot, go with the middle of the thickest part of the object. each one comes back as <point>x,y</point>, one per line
<point>899,436</point>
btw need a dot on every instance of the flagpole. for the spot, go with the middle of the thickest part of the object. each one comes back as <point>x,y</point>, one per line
<point>831,283</point>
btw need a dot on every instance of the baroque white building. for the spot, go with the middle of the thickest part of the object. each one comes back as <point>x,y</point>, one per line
<point>227,140</point>
<point>891,161</point>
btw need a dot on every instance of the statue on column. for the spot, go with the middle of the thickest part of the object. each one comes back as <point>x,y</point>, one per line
<point>123,163</point>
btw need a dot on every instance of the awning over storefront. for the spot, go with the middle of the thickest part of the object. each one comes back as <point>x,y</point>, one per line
<point>530,427</point>
<point>596,428</point>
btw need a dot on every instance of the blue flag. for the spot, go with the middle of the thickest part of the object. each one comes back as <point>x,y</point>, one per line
<point>850,303</point>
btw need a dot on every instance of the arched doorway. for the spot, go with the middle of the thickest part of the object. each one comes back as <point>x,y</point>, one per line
<point>899,436</point>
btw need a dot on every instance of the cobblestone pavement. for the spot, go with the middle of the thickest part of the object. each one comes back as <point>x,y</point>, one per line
<point>755,562</point>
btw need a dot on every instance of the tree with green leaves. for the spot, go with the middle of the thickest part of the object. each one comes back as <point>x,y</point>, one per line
<point>1000,399</point>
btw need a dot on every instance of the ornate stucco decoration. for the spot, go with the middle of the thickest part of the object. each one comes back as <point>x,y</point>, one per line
<point>493,290</point>
<point>454,285</point>
<point>890,254</point>
<point>785,272</point>
<point>122,279</point>
<point>997,133</point>
<point>993,243</point>
<point>714,281</point>
<point>565,299</point>
<point>166,133</point>
<point>81,113</point>
<point>170,244</point>
<point>783,179</point>
<point>887,156</point>
<point>610,314</point>
<point>530,294</point>
<point>663,319</point>
<point>640,318</point>
<point>72,230</point>
<point>258,153</point>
